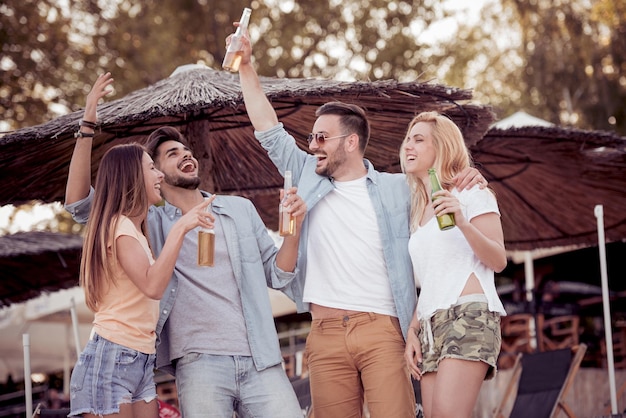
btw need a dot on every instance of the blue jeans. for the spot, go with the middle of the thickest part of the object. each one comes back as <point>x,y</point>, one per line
<point>107,375</point>
<point>214,386</point>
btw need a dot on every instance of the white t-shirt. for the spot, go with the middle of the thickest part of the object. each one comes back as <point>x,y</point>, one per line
<point>444,260</point>
<point>346,268</point>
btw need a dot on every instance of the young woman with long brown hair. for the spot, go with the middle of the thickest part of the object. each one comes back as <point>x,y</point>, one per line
<point>122,280</point>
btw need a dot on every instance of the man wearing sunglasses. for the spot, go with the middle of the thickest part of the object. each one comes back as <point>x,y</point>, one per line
<point>359,285</point>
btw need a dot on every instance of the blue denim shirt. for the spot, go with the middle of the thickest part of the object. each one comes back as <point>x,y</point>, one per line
<point>390,198</point>
<point>252,252</point>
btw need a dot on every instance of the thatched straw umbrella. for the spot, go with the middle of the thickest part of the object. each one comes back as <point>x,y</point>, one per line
<point>35,262</point>
<point>207,106</point>
<point>548,181</point>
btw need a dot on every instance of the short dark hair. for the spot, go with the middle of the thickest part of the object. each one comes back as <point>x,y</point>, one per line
<point>161,135</point>
<point>352,118</point>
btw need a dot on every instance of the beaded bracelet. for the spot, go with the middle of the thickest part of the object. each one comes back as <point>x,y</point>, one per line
<point>87,124</point>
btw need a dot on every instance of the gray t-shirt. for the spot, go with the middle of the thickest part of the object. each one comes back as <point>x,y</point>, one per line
<point>207,316</point>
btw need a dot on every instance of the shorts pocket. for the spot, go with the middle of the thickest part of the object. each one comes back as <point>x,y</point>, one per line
<point>394,330</point>
<point>125,356</point>
<point>479,325</point>
<point>79,373</point>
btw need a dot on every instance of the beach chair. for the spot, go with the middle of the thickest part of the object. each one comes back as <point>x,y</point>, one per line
<point>516,338</point>
<point>545,378</point>
<point>558,332</point>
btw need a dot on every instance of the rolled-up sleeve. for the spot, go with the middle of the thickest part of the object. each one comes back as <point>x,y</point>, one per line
<point>80,209</point>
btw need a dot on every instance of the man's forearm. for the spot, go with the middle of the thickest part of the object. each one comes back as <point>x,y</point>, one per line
<point>260,111</point>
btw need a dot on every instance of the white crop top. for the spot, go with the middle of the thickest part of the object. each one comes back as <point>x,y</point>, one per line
<point>444,260</point>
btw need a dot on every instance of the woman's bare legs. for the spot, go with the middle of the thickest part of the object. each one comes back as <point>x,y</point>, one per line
<point>452,391</point>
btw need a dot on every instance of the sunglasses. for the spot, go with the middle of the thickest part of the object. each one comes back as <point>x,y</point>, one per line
<point>320,138</point>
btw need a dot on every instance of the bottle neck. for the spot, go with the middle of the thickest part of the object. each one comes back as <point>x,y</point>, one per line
<point>434,183</point>
<point>287,183</point>
<point>243,22</point>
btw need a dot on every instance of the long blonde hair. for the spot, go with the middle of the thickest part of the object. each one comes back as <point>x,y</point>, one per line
<point>451,157</point>
<point>119,190</point>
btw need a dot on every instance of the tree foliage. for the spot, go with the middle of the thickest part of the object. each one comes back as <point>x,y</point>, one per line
<point>33,35</point>
<point>563,61</point>
<point>559,60</point>
<point>575,60</point>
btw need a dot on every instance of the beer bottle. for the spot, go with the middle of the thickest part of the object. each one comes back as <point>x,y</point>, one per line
<point>206,245</point>
<point>232,60</point>
<point>286,221</point>
<point>445,221</point>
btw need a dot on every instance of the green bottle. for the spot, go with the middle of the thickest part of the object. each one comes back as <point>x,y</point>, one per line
<point>445,221</point>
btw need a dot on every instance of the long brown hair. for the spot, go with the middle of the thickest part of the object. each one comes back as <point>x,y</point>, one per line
<point>119,190</point>
<point>451,157</point>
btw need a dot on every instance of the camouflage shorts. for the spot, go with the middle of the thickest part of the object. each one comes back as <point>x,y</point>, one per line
<point>468,331</point>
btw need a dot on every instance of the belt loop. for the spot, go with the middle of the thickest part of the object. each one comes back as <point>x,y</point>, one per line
<point>372,316</point>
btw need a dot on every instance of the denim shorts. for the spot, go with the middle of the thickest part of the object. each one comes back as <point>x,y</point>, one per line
<point>108,375</point>
<point>467,331</point>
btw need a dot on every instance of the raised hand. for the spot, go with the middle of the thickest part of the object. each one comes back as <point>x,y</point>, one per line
<point>99,89</point>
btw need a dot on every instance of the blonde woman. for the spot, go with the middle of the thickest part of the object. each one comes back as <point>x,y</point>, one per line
<point>454,337</point>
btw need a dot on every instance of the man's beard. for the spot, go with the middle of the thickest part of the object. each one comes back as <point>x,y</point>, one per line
<point>183,182</point>
<point>335,162</point>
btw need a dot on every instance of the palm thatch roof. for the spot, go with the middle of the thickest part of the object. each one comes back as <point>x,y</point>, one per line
<point>548,181</point>
<point>35,262</point>
<point>207,106</point>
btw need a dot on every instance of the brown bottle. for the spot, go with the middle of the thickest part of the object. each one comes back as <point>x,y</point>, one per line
<point>445,221</point>
<point>206,246</point>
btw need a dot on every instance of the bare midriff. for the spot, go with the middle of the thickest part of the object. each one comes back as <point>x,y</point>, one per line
<point>472,286</point>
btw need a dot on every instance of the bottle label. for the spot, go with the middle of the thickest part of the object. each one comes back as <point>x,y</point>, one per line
<point>206,248</point>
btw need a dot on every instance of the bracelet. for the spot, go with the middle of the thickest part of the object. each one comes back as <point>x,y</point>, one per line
<point>88,124</point>
<point>81,134</point>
